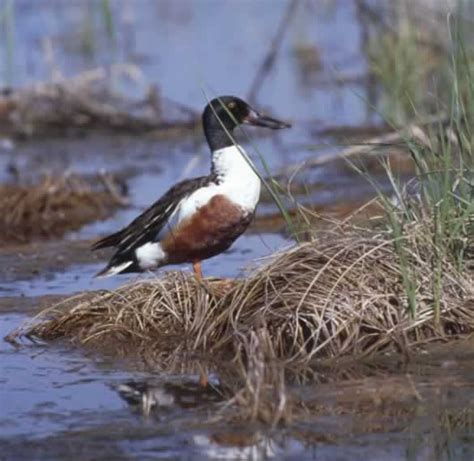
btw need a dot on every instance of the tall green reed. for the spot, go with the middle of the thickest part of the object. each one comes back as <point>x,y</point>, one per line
<point>441,201</point>
<point>7,24</point>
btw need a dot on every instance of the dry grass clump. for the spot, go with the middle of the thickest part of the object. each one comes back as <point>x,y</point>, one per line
<point>339,295</point>
<point>326,298</point>
<point>55,206</point>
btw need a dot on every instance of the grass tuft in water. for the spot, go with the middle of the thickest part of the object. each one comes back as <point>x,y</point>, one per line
<point>340,295</point>
<point>56,205</point>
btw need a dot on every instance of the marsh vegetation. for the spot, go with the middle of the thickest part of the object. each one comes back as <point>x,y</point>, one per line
<point>371,291</point>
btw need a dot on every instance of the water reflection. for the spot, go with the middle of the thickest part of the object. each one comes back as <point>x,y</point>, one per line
<point>151,397</point>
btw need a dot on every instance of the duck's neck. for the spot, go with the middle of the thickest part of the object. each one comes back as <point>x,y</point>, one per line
<point>235,178</point>
<point>229,167</point>
<point>217,137</point>
<point>229,164</point>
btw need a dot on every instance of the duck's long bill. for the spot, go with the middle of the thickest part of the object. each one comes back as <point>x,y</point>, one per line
<point>256,119</point>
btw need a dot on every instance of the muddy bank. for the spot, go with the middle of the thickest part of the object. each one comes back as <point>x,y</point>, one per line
<point>23,262</point>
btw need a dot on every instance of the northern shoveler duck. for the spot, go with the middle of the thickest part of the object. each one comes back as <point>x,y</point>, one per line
<point>201,217</point>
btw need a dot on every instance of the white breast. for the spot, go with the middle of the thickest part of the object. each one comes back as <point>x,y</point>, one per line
<point>236,180</point>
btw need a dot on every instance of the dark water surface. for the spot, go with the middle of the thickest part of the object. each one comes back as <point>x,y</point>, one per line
<point>58,403</point>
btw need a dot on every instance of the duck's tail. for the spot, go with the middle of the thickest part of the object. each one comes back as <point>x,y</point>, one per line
<point>111,240</point>
<point>114,269</point>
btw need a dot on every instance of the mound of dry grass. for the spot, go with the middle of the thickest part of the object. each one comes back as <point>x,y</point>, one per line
<point>55,206</point>
<point>339,295</point>
<point>327,298</point>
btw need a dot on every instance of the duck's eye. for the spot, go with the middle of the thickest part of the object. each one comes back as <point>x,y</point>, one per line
<point>231,105</point>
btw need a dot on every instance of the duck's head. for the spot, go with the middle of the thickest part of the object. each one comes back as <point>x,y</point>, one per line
<point>226,113</point>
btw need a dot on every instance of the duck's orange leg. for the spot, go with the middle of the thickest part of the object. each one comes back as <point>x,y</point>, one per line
<point>203,378</point>
<point>197,271</point>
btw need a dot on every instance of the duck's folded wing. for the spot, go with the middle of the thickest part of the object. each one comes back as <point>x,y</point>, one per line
<point>147,226</point>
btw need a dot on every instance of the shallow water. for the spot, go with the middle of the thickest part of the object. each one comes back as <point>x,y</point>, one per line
<point>62,403</point>
<point>59,403</point>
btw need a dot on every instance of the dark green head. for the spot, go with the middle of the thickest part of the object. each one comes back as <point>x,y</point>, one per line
<point>226,113</point>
